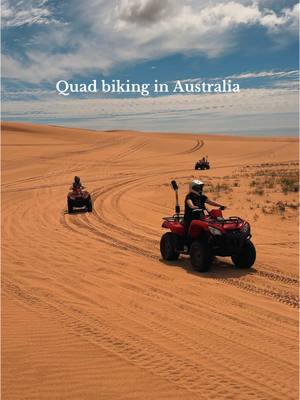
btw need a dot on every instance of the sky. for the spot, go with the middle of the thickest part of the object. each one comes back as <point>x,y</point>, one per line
<point>252,43</point>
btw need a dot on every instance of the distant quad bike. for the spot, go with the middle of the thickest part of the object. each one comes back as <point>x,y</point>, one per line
<point>212,235</point>
<point>202,164</point>
<point>79,199</point>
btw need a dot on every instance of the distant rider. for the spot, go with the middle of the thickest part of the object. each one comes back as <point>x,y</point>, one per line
<point>77,183</point>
<point>194,203</point>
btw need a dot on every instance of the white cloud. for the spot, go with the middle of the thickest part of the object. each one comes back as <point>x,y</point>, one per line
<point>251,109</point>
<point>288,20</point>
<point>17,13</point>
<point>266,74</point>
<point>285,76</point>
<point>104,35</point>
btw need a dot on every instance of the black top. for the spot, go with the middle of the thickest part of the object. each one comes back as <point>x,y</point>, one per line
<point>198,200</point>
<point>76,185</point>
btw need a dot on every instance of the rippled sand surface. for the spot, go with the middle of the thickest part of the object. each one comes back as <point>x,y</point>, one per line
<point>89,309</point>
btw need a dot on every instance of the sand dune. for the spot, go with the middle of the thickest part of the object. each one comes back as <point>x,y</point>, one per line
<point>90,311</point>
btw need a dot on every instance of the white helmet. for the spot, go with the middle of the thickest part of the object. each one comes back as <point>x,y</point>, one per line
<point>196,186</point>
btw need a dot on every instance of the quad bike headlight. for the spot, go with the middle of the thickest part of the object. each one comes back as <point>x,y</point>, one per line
<point>214,231</point>
<point>246,228</point>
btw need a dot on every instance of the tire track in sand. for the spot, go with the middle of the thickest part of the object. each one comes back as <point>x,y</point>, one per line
<point>184,371</point>
<point>110,233</point>
<point>199,144</point>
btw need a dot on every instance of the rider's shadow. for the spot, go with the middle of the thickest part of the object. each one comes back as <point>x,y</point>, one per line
<point>219,268</point>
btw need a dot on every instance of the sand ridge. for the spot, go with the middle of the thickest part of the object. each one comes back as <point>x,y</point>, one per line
<point>90,311</point>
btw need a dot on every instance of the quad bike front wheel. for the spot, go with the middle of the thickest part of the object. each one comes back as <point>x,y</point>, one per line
<point>168,244</point>
<point>200,255</point>
<point>246,258</point>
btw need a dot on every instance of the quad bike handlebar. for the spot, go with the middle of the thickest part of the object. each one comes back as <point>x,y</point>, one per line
<point>222,208</point>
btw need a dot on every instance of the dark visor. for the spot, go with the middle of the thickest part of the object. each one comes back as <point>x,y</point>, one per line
<point>197,188</point>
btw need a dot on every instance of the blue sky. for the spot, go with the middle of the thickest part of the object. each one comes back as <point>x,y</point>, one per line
<point>254,43</point>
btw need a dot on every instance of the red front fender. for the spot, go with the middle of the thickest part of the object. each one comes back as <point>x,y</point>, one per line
<point>197,228</point>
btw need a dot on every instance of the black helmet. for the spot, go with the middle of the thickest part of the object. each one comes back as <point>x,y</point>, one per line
<point>76,179</point>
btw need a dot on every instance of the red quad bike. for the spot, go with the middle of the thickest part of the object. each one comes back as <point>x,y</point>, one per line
<point>209,236</point>
<point>202,164</point>
<point>79,198</point>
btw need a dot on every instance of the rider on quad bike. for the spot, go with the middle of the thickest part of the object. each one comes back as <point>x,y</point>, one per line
<point>194,204</point>
<point>78,197</point>
<point>77,183</point>
<point>203,234</point>
<point>203,163</point>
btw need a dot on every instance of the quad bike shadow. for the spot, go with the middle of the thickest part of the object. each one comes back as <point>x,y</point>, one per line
<point>76,211</point>
<point>219,268</point>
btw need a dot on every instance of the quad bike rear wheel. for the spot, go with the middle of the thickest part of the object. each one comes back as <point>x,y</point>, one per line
<point>90,206</point>
<point>201,257</point>
<point>168,245</point>
<point>70,206</point>
<point>246,258</point>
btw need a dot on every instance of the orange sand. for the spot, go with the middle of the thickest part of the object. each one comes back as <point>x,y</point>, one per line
<point>90,311</point>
